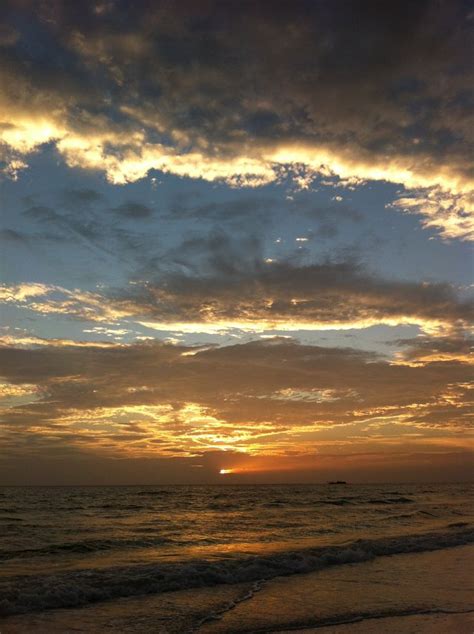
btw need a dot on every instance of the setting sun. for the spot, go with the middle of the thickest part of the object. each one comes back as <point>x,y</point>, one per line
<point>241,233</point>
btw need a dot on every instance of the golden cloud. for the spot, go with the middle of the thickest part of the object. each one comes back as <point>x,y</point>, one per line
<point>271,112</point>
<point>270,398</point>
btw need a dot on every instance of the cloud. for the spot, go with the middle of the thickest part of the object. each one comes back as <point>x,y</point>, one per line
<point>221,290</point>
<point>81,197</point>
<point>260,295</point>
<point>452,215</point>
<point>255,208</point>
<point>23,292</point>
<point>8,35</point>
<point>83,216</point>
<point>51,299</point>
<point>267,398</point>
<point>331,217</point>
<point>133,210</point>
<point>13,236</point>
<point>207,94</point>
<point>31,341</point>
<point>456,345</point>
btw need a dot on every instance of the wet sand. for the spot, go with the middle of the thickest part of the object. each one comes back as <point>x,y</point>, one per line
<point>396,586</point>
<point>419,624</point>
<point>430,592</point>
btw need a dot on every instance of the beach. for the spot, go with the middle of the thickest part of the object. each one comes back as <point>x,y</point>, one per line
<point>431,592</point>
<point>236,317</point>
<point>237,559</point>
<point>428,585</point>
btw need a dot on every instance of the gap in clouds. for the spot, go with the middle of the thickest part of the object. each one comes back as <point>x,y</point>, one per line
<point>223,252</point>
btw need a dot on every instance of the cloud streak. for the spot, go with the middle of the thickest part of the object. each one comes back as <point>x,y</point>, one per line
<point>257,295</point>
<point>275,398</point>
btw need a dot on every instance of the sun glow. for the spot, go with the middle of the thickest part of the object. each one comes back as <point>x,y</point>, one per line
<point>225,471</point>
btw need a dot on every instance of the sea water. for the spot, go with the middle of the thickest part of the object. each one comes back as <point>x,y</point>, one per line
<point>72,546</point>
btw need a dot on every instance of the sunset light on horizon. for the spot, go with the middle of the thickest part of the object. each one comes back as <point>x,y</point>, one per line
<point>236,316</point>
<point>219,250</point>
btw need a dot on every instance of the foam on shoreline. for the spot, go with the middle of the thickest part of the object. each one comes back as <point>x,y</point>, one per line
<point>421,589</point>
<point>424,590</point>
<point>81,587</point>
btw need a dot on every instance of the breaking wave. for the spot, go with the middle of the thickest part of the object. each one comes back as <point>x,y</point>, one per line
<point>76,588</point>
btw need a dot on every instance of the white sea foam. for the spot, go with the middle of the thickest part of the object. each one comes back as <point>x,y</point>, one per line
<point>80,587</point>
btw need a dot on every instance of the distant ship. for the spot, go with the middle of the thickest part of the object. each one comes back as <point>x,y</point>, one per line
<point>337,482</point>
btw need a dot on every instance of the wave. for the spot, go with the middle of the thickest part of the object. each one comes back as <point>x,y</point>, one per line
<point>84,546</point>
<point>339,502</point>
<point>158,493</point>
<point>120,507</point>
<point>399,500</point>
<point>223,506</point>
<point>80,587</point>
<point>354,500</point>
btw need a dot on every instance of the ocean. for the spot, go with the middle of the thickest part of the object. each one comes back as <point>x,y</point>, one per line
<point>70,547</point>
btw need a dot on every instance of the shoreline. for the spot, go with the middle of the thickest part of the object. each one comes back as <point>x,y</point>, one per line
<point>425,590</point>
<point>428,623</point>
<point>82,586</point>
<point>432,586</point>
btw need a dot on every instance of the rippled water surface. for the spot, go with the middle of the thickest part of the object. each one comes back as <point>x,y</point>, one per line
<point>131,540</point>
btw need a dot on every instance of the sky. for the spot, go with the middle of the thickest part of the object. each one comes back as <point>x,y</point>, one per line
<point>235,236</point>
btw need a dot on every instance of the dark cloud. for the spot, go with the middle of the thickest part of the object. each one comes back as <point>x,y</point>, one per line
<point>380,84</point>
<point>81,197</point>
<point>42,214</point>
<point>70,223</point>
<point>8,35</point>
<point>336,212</point>
<point>245,208</point>
<point>218,252</point>
<point>457,344</point>
<point>329,219</point>
<point>12,236</point>
<point>133,210</point>
<point>82,216</point>
<point>227,288</point>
